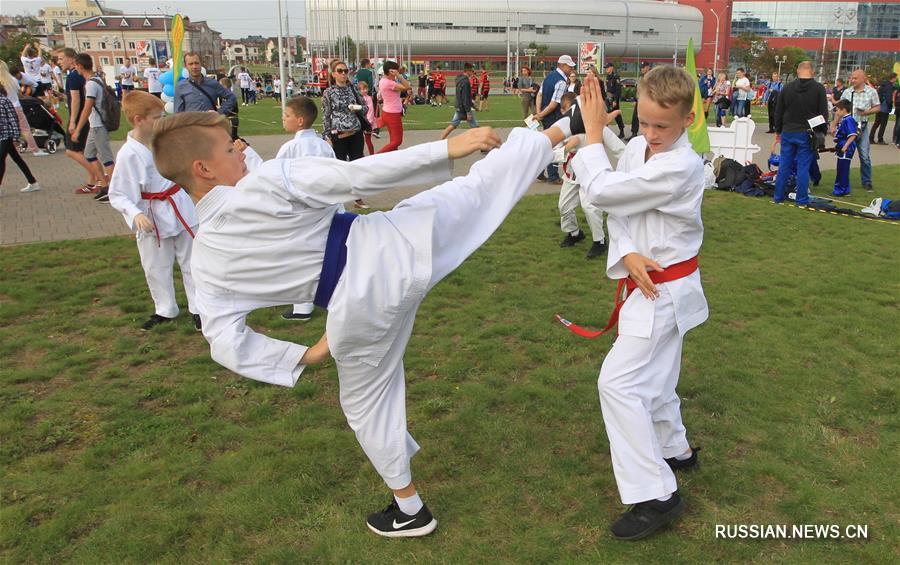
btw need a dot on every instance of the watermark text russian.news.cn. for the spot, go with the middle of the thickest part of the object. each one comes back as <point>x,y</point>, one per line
<point>792,531</point>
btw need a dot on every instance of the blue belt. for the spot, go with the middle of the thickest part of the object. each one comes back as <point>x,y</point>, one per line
<point>335,257</point>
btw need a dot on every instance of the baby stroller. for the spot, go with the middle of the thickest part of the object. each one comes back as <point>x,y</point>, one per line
<point>45,124</point>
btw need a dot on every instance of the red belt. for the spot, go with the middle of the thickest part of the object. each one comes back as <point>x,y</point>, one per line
<point>671,273</point>
<point>165,195</point>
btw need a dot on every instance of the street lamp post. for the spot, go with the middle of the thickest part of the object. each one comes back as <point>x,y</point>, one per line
<point>675,57</point>
<point>780,61</point>
<point>716,56</point>
<point>843,17</point>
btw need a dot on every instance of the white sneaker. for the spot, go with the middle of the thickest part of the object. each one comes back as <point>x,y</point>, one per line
<point>32,187</point>
<point>873,209</point>
<point>40,153</point>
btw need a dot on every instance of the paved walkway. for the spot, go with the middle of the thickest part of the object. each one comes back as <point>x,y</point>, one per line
<point>57,213</point>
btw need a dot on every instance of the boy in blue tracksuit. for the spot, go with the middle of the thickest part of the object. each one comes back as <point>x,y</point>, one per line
<point>844,146</point>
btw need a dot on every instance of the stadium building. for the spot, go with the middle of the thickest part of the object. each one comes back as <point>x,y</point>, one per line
<point>429,32</point>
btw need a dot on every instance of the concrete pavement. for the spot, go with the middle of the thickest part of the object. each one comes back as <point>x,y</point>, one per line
<point>57,213</point>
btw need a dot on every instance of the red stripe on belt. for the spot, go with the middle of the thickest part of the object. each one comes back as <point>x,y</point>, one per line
<point>165,195</point>
<point>671,273</point>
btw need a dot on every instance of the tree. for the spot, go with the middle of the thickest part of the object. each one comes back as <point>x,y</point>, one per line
<point>879,69</point>
<point>791,55</point>
<point>11,49</point>
<point>749,49</point>
<point>347,43</point>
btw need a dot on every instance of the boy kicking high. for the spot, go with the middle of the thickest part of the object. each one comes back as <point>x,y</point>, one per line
<point>653,200</point>
<point>276,236</point>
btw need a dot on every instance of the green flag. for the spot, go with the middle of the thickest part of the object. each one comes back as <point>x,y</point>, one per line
<point>697,132</point>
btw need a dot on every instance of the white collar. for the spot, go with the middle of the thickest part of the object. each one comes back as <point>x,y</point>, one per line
<point>309,132</point>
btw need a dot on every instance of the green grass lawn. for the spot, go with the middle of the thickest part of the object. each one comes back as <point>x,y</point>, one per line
<point>123,446</point>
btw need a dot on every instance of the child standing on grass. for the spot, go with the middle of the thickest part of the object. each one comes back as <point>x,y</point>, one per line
<point>277,236</point>
<point>9,136</point>
<point>653,200</point>
<point>162,215</point>
<point>299,115</point>
<point>844,146</point>
<point>370,115</point>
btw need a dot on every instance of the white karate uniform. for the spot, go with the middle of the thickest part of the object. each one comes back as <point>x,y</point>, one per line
<point>571,195</point>
<point>136,173</point>
<point>262,244</point>
<point>305,143</point>
<point>654,210</point>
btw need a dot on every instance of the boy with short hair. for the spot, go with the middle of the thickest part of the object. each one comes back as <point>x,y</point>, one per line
<point>97,143</point>
<point>299,115</point>
<point>653,200</point>
<point>161,214</point>
<point>844,146</point>
<point>276,236</point>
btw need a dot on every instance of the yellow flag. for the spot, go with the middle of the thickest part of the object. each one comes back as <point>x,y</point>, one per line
<point>697,131</point>
<point>177,37</point>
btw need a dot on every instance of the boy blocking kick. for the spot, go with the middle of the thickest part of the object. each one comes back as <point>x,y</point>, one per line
<point>653,199</point>
<point>276,236</point>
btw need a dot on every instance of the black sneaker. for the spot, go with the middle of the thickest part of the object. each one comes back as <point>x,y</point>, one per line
<point>290,315</point>
<point>596,250</point>
<point>644,518</point>
<point>571,240</point>
<point>393,523</point>
<point>690,464</point>
<point>198,324</point>
<point>102,194</point>
<point>542,177</point>
<point>155,320</point>
<point>868,187</point>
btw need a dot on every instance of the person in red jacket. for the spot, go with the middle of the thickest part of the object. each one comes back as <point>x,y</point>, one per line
<point>485,91</point>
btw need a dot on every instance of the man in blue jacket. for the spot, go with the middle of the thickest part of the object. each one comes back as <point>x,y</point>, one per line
<point>201,94</point>
<point>548,100</point>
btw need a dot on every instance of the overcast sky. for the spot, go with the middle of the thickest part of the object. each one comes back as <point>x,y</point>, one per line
<point>234,19</point>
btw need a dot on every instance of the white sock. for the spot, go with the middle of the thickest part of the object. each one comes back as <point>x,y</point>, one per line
<point>409,506</point>
<point>685,456</point>
<point>575,233</point>
<point>302,309</point>
<point>665,498</point>
<point>563,124</point>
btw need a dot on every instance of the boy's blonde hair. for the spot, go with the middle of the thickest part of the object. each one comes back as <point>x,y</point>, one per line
<point>669,87</point>
<point>181,139</point>
<point>140,103</point>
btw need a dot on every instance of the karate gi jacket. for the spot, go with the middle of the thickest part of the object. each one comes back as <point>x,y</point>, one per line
<point>654,210</point>
<point>135,172</point>
<point>261,243</point>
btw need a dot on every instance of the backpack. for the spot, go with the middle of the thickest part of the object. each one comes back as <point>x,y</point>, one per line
<point>110,109</point>
<point>890,209</point>
<point>731,174</point>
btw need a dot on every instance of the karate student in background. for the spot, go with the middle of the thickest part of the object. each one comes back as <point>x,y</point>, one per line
<point>161,214</point>
<point>844,146</point>
<point>370,114</point>
<point>653,200</point>
<point>276,236</point>
<point>299,115</point>
<point>571,194</point>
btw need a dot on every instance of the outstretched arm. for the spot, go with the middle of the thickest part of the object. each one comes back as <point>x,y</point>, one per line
<point>318,181</point>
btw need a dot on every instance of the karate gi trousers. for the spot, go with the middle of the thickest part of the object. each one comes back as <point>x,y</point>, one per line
<point>393,259</point>
<point>158,259</point>
<point>570,197</point>
<point>640,408</point>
